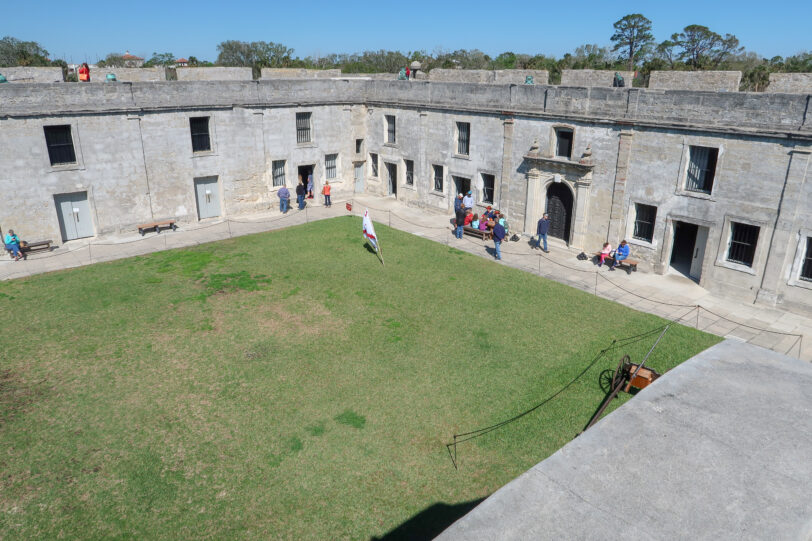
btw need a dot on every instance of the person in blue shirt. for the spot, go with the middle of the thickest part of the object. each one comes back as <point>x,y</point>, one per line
<point>284,199</point>
<point>621,253</point>
<point>12,243</point>
<point>498,237</point>
<point>541,230</point>
<point>458,202</point>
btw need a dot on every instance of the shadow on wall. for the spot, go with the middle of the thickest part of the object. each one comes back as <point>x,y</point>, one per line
<point>430,522</point>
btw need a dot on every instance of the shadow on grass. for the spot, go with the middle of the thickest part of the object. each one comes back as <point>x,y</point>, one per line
<point>430,522</point>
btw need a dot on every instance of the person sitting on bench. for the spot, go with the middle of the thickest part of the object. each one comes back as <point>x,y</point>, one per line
<point>475,221</point>
<point>606,251</point>
<point>483,224</point>
<point>621,253</point>
<point>12,243</point>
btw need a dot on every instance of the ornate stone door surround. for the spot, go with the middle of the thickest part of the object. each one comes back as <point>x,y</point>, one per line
<point>576,175</point>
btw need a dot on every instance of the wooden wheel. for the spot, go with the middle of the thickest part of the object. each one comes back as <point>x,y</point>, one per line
<point>606,380</point>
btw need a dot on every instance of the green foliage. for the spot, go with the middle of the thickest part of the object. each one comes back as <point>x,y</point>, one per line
<point>112,60</point>
<point>633,37</point>
<point>14,52</point>
<point>162,59</point>
<point>256,54</point>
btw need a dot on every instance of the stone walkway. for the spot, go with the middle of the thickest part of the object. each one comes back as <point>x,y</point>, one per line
<point>671,296</point>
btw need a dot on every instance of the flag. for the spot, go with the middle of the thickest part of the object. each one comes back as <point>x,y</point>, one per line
<point>369,231</point>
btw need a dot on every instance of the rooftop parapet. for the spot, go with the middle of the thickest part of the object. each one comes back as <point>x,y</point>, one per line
<point>589,78</point>
<point>27,74</point>
<point>214,74</point>
<point>712,81</point>
<point>792,83</point>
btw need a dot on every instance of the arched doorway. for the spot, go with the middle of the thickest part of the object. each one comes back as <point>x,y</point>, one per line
<point>559,207</point>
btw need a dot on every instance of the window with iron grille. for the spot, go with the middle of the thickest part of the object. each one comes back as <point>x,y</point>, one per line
<point>199,126</point>
<point>701,169</point>
<point>563,142</point>
<point>409,172</point>
<point>645,216</point>
<point>488,182</point>
<point>303,127</point>
<point>806,268</point>
<point>390,129</point>
<point>359,146</point>
<point>373,161</point>
<point>278,168</point>
<point>438,178</point>
<point>330,165</point>
<point>60,144</point>
<point>743,240</point>
<point>463,138</point>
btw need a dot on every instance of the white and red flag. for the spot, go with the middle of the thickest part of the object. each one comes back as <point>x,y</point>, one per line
<point>369,230</point>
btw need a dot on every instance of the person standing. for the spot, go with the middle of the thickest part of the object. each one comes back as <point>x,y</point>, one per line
<point>310,186</point>
<point>300,194</point>
<point>84,73</point>
<point>458,202</point>
<point>459,221</point>
<point>325,191</point>
<point>498,237</point>
<point>468,201</point>
<point>284,199</point>
<point>541,230</point>
<point>12,243</point>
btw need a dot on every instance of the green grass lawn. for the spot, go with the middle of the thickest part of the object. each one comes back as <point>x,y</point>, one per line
<point>287,386</point>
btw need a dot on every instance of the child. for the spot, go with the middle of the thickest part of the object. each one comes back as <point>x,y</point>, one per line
<point>325,191</point>
<point>475,221</point>
<point>605,252</point>
<point>469,217</point>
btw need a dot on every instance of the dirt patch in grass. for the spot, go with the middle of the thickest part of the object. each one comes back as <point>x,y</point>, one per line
<point>17,396</point>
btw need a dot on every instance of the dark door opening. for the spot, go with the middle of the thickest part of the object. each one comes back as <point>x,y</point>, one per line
<point>683,248</point>
<point>462,185</point>
<point>304,172</point>
<point>392,177</point>
<point>559,207</point>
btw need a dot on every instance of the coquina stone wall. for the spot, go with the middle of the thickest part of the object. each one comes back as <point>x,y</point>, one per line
<point>25,74</point>
<point>129,75</point>
<point>299,73</point>
<point>594,77</point>
<point>795,83</point>
<point>630,147</point>
<point>540,77</point>
<point>214,74</point>
<point>712,81</point>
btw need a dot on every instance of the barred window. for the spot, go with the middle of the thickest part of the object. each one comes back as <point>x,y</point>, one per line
<point>488,182</point>
<point>563,142</point>
<point>199,126</point>
<point>463,138</point>
<point>409,172</point>
<point>60,144</point>
<point>373,161</point>
<point>390,129</point>
<point>359,146</point>
<point>330,165</point>
<point>701,169</point>
<point>743,241</point>
<point>438,178</point>
<point>806,268</point>
<point>303,127</point>
<point>645,216</point>
<point>278,168</point>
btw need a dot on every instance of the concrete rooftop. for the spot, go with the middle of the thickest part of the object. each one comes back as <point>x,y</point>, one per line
<point>718,448</point>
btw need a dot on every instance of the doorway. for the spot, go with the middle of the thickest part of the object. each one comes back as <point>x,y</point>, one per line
<point>207,193</point>
<point>559,207</point>
<point>392,177</point>
<point>688,249</point>
<point>73,211</point>
<point>461,185</point>
<point>304,172</point>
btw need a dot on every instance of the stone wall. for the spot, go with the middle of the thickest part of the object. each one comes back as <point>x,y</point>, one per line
<point>711,81</point>
<point>796,83</point>
<point>214,74</point>
<point>594,77</point>
<point>129,75</point>
<point>541,77</point>
<point>299,73</point>
<point>24,74</point>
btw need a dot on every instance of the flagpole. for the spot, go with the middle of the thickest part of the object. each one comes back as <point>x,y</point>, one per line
<point>380,252</point>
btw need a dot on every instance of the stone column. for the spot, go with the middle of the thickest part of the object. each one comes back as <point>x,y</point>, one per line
<point>533,189</point>
<point>616,216</point>
<point>780,249</point>
<point>581,211</point>
<point>502,196</point>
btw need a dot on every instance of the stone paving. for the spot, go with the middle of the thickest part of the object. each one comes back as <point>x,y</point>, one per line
<point>671,296</point>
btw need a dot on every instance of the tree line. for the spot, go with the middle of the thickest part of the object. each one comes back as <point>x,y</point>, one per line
<point>632,48</point>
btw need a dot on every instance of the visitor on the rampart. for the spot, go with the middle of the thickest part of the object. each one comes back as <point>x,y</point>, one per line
<point>284,199</point>
<point>541,230</point>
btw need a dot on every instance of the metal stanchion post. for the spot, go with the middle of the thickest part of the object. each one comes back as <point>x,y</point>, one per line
<point>228,224</point>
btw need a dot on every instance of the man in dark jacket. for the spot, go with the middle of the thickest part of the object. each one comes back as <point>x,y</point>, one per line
<point>498,237</point>
<point>460,221</point>
<point>458,202</point>
<point>541,231</point>
<point>300,194</point>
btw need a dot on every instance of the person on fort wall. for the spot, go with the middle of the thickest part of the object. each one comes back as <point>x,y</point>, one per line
<point>310,186</point>
<point>300,193</point>
<point>284,199</point>
<point>325,191</point>
<point>84,73</point>
<point>621,254</point>
<point>542,228</point>
<point>12,243</point>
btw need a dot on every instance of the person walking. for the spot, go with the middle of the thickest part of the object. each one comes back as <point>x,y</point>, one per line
<point>541,230</point>
<point>325,191</point>
<point>12,243</point>
<point>460,222</point>
<point>284,199</point>
<point>498,237</point>
<point>300,194</point>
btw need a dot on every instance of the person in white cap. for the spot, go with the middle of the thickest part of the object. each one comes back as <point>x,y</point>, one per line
<point>468,201</point>
<point>458,202</point>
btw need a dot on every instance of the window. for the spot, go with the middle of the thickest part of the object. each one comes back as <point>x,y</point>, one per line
<point>373,160</point>
<point>409,172</point>
<point>199,126</point>
<point>60,144</point>
<point>701,169</point>
<point>303,127</point>
<point>330,165</point>
<point>390,129</point>
<point>806,264</point>
<point>488,182</point>
<point>438,178</point>
<point>563,142</point>
<point>463,138</point>
<point>743,240</point>
<point>359,146</point>
<point>278,168</point>
<point>644,220</point>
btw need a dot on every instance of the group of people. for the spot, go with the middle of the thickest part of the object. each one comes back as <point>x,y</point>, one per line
<point>491,220</point>
<point>618,255</point>
<point>13,245</point>
<point>303,192</point>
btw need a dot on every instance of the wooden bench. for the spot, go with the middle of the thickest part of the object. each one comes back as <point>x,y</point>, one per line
<point>35,246</point>
<point>629,263</point>
<point>156,226</point>
<point>484,235</point>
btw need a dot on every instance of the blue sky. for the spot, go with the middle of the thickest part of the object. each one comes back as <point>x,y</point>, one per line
<point>89,29</point>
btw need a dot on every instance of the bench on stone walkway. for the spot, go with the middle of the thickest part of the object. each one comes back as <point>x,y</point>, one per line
<point>629,263</point>
<point>36,246</point>
<point>156,226</point>
<point>484,235</point>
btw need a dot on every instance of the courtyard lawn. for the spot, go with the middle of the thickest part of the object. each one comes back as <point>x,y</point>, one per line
<point>287,386</point>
